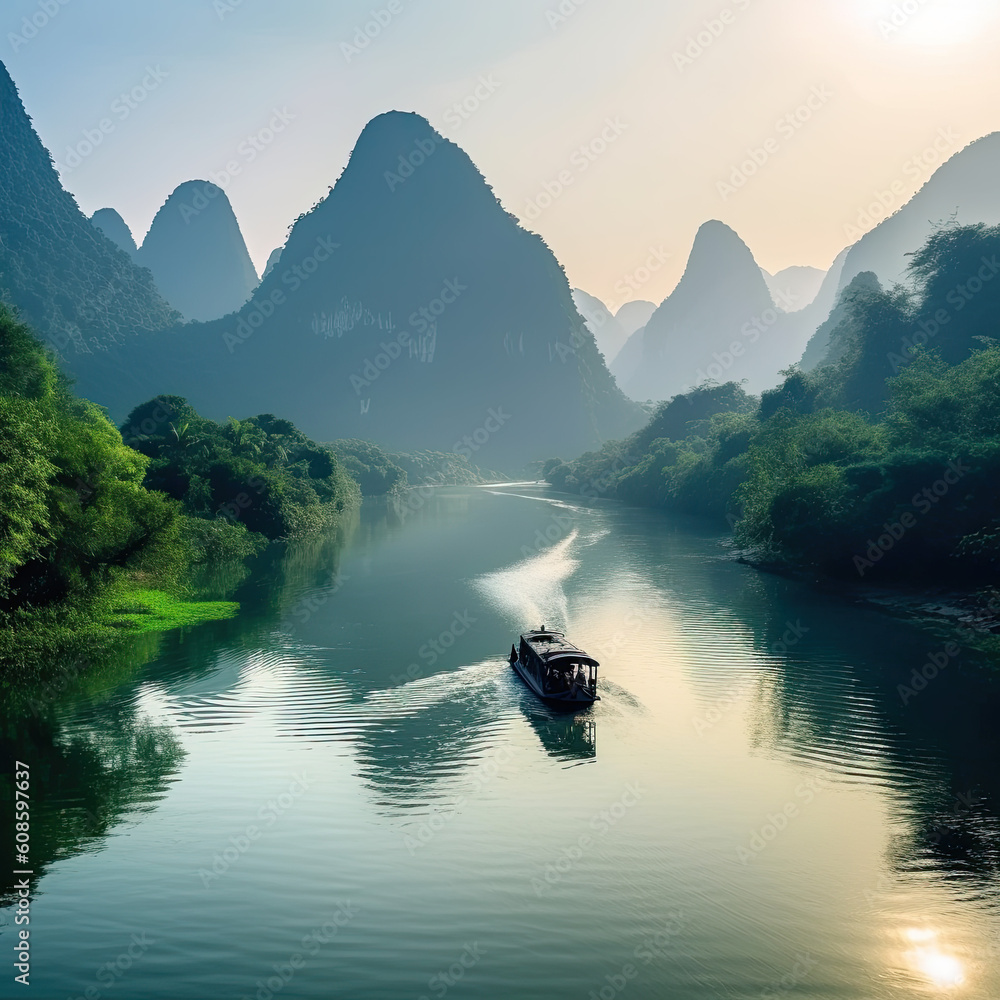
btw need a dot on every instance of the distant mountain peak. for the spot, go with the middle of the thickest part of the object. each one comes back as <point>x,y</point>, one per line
<point>721,300</point>
<point>109,222</point>
<point>406,307</point>
<point>197,253</point>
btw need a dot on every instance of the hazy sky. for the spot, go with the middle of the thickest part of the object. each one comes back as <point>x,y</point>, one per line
<point>885,80</point>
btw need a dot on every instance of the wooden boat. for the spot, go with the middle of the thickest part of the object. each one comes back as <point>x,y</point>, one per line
<point>561,674</point>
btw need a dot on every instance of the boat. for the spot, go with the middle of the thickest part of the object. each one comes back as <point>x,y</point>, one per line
<point>561,674</point>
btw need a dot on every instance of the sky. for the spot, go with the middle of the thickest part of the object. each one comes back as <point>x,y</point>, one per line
<point>614,128</point>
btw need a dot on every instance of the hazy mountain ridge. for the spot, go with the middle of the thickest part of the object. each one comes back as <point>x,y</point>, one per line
<point>76,287</point>
<point>408,307</point>
<point>722,300</point>
<point>794,288</point>
<point>962,190</point>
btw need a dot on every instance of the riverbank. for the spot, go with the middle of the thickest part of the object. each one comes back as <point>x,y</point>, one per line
<point>969,615</point>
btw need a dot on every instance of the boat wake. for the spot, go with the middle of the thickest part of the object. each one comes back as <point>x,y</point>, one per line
<point>532,592</point>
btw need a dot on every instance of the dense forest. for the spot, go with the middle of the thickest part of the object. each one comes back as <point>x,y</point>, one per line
<point>883,462</point>
<point>94,520</point>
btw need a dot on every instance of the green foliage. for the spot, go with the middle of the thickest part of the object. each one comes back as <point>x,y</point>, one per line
<point>74,515</point>
<point>156,611</point>
<point>796,480</point>
<point>376,473</point>
<point>883,461</point>
<point>689,414</point>
<point>86,518</point>
<point>262,473</point>
<point>687,458</point>
<point>442,468</point>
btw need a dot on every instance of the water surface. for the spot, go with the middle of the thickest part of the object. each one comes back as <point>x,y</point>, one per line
<point>346,792</point>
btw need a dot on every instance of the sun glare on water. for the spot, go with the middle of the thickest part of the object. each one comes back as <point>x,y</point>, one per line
<point>929,960</point>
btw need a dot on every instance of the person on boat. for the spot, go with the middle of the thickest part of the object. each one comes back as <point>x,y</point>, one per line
<point>575,684</point>
<point>513,654</point>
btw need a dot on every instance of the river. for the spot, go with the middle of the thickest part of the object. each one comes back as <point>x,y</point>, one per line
<point>346,792</point>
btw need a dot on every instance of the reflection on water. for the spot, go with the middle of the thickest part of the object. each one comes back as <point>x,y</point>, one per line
<point>926,957</point>
<point>569,738</point>
<point>104,769</point>
<point>447,802</point>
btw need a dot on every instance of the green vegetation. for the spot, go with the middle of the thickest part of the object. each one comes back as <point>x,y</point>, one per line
<point>383,473</point>
<point>75,518</point>
<point>375,471</point>
<point>99,535</point>
<point>442,468</point>
<point>155,611</point>
<point>882,462</point>
<point>260,476</point>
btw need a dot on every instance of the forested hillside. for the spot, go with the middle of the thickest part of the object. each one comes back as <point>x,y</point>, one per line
<point>883,462</point>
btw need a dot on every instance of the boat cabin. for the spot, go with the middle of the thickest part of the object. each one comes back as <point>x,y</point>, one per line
<point>557,667</point>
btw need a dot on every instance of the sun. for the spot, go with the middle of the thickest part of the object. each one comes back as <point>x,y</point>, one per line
<point>929,22</point>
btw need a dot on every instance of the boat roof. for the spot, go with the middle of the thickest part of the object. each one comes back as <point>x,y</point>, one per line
<point>552,645</point>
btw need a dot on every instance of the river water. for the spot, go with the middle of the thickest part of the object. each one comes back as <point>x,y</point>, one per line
<point>346,792</point>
